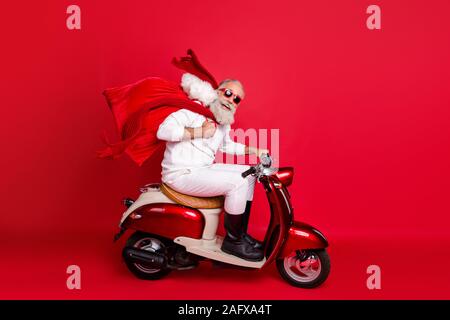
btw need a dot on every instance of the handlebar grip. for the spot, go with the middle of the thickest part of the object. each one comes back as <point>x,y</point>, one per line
<point>248,172</point>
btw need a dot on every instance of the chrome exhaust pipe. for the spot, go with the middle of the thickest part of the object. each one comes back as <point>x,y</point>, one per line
<point>150,259</point>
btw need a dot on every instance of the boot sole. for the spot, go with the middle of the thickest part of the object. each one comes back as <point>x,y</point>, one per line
<point>243,258</point>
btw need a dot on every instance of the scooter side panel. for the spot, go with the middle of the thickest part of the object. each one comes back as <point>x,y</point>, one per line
<point>303,236</point>
<point>281,217</point>
<point>167,220</point>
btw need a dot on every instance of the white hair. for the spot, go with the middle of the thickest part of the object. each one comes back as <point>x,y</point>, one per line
<point>224,82</point>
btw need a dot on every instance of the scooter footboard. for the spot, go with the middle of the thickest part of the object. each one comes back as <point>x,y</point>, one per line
<point>303,236</point>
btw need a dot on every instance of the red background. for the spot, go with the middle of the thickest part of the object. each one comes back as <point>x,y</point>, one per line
<point>363,117</point>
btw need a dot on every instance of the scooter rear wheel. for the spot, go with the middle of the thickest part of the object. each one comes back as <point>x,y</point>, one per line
<point>305,268</point>
<point>151,243</point>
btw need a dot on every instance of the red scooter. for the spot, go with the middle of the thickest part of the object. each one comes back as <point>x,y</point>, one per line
<point>174,231</point>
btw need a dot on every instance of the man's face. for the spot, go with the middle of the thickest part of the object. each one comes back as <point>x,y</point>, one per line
<point>230,95</point>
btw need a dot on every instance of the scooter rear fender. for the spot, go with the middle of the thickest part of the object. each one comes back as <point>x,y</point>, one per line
<point>302,236</point>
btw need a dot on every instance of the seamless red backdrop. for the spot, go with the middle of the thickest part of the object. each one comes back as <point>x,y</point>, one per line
<point>363,117</point>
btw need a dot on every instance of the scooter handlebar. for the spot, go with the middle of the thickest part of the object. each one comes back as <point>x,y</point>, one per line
<point>248,172</point>
<point>265,161</point>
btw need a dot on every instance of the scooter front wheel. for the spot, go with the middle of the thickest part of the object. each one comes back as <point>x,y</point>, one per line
<point>305,268</point>
<point>152,244</point>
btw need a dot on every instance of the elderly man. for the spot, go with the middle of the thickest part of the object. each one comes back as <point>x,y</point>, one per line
<point>188,165</point>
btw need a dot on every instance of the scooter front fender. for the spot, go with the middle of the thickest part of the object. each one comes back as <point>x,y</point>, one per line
<point>302,236</point>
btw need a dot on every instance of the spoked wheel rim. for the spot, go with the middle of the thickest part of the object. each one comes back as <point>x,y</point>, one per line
<point>152,245</point>
<point>303,266</point>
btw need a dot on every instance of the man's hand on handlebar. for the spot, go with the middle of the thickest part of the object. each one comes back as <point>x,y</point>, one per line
<point>257,151</point>
<point>265,162</point>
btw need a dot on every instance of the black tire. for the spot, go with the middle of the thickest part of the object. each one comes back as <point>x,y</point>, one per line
<point>140,270</point>
<point>325,265</point>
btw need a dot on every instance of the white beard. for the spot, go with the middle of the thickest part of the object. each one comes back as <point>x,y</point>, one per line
<point>222,115</point>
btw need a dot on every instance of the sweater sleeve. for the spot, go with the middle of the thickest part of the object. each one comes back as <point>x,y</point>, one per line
<point>231,147</point>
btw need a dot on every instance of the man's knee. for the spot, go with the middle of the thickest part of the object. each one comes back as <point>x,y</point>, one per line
<point>251,179</point>
<point>239,183</point>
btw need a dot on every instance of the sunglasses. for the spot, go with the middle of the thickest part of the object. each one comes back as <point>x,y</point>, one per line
<point>228,93</point>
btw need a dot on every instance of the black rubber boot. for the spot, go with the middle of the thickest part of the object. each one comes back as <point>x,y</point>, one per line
<point>246,217</point>
<point>234,242</point>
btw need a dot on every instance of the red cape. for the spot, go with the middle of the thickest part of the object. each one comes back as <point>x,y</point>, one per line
<point>140,108</point>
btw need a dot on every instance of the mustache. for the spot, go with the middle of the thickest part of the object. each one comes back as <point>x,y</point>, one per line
<point>229,106</point>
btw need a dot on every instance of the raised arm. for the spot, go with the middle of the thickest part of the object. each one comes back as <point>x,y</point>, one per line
<point>231,147</point>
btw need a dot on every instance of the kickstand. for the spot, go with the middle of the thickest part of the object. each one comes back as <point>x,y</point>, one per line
<point>119,234</point>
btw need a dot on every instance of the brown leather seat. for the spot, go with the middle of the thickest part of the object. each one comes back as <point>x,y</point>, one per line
<point>191,201</point>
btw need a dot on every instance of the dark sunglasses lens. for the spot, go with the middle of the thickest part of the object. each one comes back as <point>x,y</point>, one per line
<point>237,100</point>
<point>228,93</point>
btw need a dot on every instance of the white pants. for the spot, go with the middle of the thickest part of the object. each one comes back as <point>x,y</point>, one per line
<point>218,179</point>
